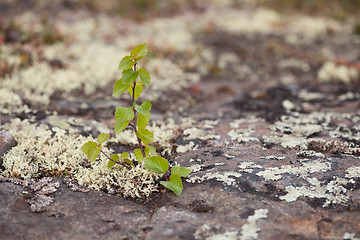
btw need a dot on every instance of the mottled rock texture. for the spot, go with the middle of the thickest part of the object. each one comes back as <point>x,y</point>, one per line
<point>263,110</point>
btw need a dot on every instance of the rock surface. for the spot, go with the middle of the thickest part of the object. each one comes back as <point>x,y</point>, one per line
<point>265,113</point>
<point>7,141</point>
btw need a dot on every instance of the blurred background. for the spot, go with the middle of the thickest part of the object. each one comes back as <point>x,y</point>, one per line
<point>70,49</point>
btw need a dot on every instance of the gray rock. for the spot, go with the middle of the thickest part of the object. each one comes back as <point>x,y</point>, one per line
<point>7,141</point>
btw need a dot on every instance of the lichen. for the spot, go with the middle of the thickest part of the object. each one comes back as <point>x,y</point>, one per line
<point>338,73</point>
<point>230,235</point>
<point>276,173</point>
<point>40,149</point>
<point>353,172</point>
<point>187,147</point>
<point>350,236</point>
<point>193,133</point>
<point>250,229</point>
<point>242,135</point>
<point>333,192</point>
<point>224,177</point>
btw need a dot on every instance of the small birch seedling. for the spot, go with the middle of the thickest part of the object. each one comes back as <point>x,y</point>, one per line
<point>137,117</point>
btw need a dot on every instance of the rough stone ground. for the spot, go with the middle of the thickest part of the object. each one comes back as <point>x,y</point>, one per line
<point>267,117</point>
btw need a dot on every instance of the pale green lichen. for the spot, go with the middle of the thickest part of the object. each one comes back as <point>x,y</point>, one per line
<point>227,178</point>
<point>248,167</point>
<point>350,236</point>
<point>187,147</point>
<point>271,157</point>
<point>242,135</point>
<point>230,235</point>
<point>353,172</point>
<point>53,150</point>
<point>250,230</point>
<point>193,133</point>
<point>276,173</point>
<point>303,126</point>
<point>338,73</point>
<point>334,192</point>
<point>161,69</point>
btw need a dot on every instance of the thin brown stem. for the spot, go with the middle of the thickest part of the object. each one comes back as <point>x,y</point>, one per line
<point>135,117</point>
<point>121,163</point>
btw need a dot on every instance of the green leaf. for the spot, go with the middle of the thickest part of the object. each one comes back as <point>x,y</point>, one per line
<point>114,157</point>
<point>123,116</point>
<point>144,108</point>
<point>126,63</point>
<point>174,184</point>
<point>103,137</point>
<point>111,164</point>
<point>144,76</point>
<point>120,88</point>
<point>91,150</point>
<point>138,154</point>
<point>143,120</point>
<point>129,76</point>
<point>138,90</point>
<point>152,150</point>
<point>120,125</point>
<point>139,52</point>
<point>128,162</point>
<point>124,113</point>
<point>145,135</point>
<point>125,155</point>
<point>156,163</point>
<point>181,171</point>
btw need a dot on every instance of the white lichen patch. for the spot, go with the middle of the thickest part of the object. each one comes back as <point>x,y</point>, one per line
<point>161,69</point>
<point>210,124</point>
<point>353,172</point>
<point>349,96</point>
<point>286,141</point>
<point>41,149</point>
<point>226,178</point>
<point>248,167</point>
<point>350,236</point>
<point>194,133</point>
<point>333,192</point>
<point>248,120</point>
<point>288,105</point>
<point>38,82</point>
<point>236,21</point>
<point>338,73</point>
<point>342,131</point>
<point>298,125</point>
<point>242,135</point>
<point>310,153</point>
<point>187,147</point>
<point>250,230</point>
<point>10,101</point>
<point>271,157</point>
<point>136,182</point>
<point>195,167</point>
<point>230,235</point>
<point>310,96</point>
<point>296,130</point>
<point>302,171</point>
<point>293,63</point>
<point>91,61</point>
